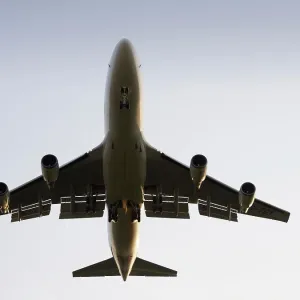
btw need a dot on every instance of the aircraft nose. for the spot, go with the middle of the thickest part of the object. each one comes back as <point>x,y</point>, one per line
<point>123,53</point>
<point>124,45</point>
<point>124,42</point>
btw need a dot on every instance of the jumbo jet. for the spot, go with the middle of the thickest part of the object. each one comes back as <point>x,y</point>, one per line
<point>125,174</point>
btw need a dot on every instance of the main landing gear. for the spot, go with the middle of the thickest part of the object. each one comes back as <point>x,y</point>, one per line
<point>136,211</point>
<point>134,208</point>
<point>113,211</point>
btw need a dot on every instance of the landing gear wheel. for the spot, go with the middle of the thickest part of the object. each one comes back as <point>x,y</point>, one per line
<point>136,215</point>
<point>113,214</point>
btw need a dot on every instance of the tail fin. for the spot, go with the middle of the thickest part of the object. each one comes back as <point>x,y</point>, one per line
<point>109,268</point>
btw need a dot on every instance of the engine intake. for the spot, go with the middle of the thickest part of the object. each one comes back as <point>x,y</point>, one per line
<point>198,167</point>
<point>50,169</point>
<point>4,198</point>
<point>246,196</point>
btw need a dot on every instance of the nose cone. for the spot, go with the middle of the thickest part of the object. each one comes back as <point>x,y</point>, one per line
<point>124,45</point>
<point>124,54</point>
<point>125,265</point>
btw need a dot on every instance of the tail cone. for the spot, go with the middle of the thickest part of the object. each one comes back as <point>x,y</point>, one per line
<point>125,264</point>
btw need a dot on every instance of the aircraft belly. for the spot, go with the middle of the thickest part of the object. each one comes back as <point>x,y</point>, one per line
<point>135,173</point>
<point>124,241</point>
<point>124,171</point>
<point>124,234</point>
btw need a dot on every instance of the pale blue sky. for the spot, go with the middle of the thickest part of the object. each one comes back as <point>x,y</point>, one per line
<point>220,78</point>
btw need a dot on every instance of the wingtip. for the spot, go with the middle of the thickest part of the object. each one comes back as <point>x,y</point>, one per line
<point>287,217</point>
<point>75,274</point>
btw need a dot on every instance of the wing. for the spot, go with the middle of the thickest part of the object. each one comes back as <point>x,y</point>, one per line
<point>77,179</point>
<point>215,199</point>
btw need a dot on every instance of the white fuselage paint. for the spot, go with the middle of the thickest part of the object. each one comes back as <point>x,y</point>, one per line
<point>124,157</point>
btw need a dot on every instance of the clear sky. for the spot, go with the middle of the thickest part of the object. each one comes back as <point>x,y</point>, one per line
<point>221,78</point>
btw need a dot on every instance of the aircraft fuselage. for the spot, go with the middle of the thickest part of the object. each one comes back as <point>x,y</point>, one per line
<point>124,157</point>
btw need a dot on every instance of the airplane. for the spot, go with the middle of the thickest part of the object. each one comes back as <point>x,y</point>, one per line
<point>124,174</point>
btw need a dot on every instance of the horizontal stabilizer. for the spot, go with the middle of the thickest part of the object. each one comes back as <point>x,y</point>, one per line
<point>143,267</point>
<point>104,268</point>
<point>140,268</point>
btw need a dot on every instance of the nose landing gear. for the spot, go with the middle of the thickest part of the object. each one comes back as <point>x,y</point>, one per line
<point>124,102</point>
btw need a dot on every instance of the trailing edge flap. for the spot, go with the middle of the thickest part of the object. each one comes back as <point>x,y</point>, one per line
<point>109,268</point>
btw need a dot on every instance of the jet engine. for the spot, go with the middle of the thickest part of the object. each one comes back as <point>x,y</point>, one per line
<point>4,198</point>
<point>246,196</point>
<point>50,169</point>
<point>198,168</point>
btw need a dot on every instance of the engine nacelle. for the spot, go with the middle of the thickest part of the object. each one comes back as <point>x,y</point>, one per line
<point>198,168</point>
<point>4,198</point>
<point>246,196</point>
<point>50,169</point>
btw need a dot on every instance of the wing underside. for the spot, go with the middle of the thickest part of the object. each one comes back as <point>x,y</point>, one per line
<point>214,199</point>
<point>81,193</point>
<point>168,207</point>
<point>79,189</point>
